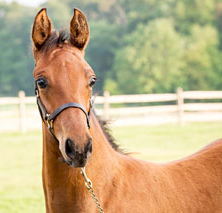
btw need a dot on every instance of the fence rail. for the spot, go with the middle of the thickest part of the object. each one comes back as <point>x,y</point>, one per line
<point>169,107</point>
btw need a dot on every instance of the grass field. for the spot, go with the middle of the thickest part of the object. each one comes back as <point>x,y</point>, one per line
<point>20,157</point>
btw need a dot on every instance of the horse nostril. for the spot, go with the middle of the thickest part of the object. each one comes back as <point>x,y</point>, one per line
<point>88,147</point>
<point>74,154</point>
<point>69,148</point>
<point>77,157</point>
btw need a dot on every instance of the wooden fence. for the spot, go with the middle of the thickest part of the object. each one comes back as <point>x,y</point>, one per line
<point>177,107</point>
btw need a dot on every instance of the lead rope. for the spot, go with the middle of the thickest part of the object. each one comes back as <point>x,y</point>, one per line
<point>88,184</point>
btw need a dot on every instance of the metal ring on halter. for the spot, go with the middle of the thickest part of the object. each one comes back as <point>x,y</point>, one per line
<point>49,122</point>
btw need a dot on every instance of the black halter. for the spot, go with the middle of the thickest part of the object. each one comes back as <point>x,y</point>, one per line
<point>48,119</point>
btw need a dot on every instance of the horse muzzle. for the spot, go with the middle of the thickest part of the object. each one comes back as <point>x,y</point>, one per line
<point>77,157</point>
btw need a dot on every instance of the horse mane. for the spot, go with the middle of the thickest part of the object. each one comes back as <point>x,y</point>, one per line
<point>106,130</point>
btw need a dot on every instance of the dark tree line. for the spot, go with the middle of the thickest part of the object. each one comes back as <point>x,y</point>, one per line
<point>140,46</point>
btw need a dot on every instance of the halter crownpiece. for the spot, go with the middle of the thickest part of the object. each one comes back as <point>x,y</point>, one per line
<point>48,119</point>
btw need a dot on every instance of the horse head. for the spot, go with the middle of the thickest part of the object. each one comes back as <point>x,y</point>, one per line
<point>64,83</point>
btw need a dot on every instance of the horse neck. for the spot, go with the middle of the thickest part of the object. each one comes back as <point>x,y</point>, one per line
<point>104,156</point>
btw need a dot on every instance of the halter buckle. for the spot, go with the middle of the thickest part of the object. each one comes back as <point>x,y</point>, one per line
<point>37,92</point>
<point>49,122</point>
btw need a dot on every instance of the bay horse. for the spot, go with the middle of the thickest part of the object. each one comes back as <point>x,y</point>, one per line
<point>121,183</point>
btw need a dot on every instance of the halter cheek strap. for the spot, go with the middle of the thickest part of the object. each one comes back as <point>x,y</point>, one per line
<point>49,118</point>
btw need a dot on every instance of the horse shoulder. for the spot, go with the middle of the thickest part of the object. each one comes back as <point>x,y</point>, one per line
<point>197,179</point>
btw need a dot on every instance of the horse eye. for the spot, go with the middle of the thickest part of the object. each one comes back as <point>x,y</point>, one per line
<point>92,81</point>
<point>42,83</point>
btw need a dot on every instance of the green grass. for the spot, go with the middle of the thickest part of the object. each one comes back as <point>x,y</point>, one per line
<point>166,142</point>
<point>20,173</point>
<point>20,157</point>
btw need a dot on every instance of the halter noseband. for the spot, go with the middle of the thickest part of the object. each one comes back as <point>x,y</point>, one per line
<point>49,118</point>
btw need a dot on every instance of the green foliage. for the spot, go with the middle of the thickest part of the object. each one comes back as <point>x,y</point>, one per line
<point>151,59</point>
<point>202,58</point>
<point>135,46</point>
<point>16,62</point>
<point>189,12</point>
<point>142,11</point>
<point>101,50</point>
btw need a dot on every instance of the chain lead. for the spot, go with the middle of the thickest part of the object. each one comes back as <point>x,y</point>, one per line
<point>88,184</point>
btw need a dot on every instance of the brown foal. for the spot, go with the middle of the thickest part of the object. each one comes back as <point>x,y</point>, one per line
<point>121,183</point>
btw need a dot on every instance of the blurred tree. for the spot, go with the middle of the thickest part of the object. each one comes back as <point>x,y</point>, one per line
<point>98,10</point>
<point>151,60</point>
<point>190,12</point>
<point>143,11</point>
<point>203,62</point>
<point>135,46</point>
<point>16,63</point>
<point>101,49</point>
<point>218,21</point>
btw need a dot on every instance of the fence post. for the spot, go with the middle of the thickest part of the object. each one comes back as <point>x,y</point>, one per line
<point>22,126</point>
<point>180,103</point>
<point>106,105</point>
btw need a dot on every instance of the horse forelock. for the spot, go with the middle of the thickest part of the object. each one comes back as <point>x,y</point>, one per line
<point>55,40</point>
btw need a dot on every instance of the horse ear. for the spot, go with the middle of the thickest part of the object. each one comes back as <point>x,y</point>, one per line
<point>79,30</point>
<point>41,29</point>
